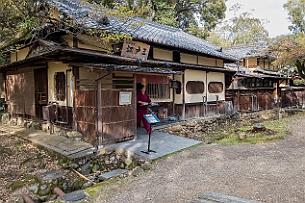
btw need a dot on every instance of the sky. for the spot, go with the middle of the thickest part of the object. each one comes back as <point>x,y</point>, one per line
<point>270,10</point>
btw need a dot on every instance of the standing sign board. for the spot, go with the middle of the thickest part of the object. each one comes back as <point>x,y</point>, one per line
<point>151,118</point>
<point>134,49</point>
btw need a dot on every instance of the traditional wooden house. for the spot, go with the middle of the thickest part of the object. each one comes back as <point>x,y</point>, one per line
<point>69,78</point>
<point>256,84</point>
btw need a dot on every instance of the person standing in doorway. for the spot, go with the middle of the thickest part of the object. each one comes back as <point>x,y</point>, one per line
<point>143,101</point>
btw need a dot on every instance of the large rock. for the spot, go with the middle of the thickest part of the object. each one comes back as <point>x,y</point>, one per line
<point>258,127</point>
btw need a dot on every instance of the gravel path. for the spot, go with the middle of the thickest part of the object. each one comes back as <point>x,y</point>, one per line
<point>270,172</point>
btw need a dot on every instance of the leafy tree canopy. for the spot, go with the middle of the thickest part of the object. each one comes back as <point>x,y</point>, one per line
<point>241,29</point>
<point>290,52</point>
<point>197,17</point>
<point>17,19</point>
<point>296,13</point>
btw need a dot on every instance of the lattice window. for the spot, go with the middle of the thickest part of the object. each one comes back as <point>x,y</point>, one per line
<point>158,91</point>
<point>60,86</point>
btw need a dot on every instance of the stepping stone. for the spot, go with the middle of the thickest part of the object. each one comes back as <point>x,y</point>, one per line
<point>74,196</point>
<point>113,174</point>
<point>213,197</point>
<point>51,175</point>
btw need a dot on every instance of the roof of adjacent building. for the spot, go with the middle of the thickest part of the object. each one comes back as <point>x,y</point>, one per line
<point>138,28</point>
<point>249,50</point>
<point>256,72</point>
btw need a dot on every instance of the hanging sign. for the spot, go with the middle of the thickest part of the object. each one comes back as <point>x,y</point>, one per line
<point>134,49</point>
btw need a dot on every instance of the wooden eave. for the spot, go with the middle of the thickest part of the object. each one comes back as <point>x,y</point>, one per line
<point>74,55</point>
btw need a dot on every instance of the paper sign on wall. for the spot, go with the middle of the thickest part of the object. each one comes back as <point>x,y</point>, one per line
<point>125,98</point>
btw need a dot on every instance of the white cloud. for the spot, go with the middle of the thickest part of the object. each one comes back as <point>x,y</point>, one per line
<point>270,10</point>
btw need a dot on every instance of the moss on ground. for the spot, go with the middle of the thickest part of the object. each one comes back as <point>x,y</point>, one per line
<point>27,180</point>
<point>95,189</point>
<point>276,129</point>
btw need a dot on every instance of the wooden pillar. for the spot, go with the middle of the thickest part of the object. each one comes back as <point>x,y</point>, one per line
<point>238,100</point>
<point>174,95</point>
<point>183,95</point>
<point>75,75</point>
<point>135,103</point>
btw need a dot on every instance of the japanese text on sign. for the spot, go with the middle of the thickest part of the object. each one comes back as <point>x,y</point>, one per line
<point>133,49</point>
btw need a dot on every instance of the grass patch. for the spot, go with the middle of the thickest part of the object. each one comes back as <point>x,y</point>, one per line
<point>95,189</point>
<point>276,129</point>
<point>27,180</point>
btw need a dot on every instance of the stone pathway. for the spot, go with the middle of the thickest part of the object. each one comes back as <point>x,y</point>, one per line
<point>113,174</point>
<point>62,145</point>
<point>163,143</point>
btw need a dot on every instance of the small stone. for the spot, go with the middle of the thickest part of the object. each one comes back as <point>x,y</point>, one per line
<point>74,165</point>
<point>242,135</point>
<point>95,168</point>
<point>5,118</point>
<point>112,159</point>
<point>87,184</point>
<point>77,139</point>
<point>34,188</point>
<point>44,190</point>
<point>62,133</point>
<point>128,162</point>
<point>103,152</point>
<point>146,166</point>
<point>120,151</point>
<point>85,169</point>
<point>176,128</point>
<point>65,186</point>
<point>74,134</point>
<point>136,171</point>
<point>75,196</point>
<point>13,121</point>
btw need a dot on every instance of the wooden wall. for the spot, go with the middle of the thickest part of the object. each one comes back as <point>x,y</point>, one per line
<point>21,93</point>
<point>251,100</point>
<point>293,97</point>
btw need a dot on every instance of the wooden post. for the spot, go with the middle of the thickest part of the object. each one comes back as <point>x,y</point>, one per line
<point>135,103</point>
<point>75,75</point>
<point>238,100</point>
<point>183,95</point>
<point>174,94</point>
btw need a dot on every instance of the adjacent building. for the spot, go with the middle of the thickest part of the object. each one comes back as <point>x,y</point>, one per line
<point>256,85</point>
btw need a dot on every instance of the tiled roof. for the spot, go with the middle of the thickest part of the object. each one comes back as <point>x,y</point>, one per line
<point>257,72</point>
<point>252,50</point>
<point>88,16</point>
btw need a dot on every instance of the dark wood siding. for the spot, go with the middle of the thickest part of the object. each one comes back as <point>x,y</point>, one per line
<point>116,123</point>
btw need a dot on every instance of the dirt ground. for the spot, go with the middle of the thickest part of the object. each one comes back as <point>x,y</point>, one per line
<point>19,161</point>
<point>269,172</point>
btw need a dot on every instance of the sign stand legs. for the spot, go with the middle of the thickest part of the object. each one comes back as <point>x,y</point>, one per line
<point>148,146</point>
